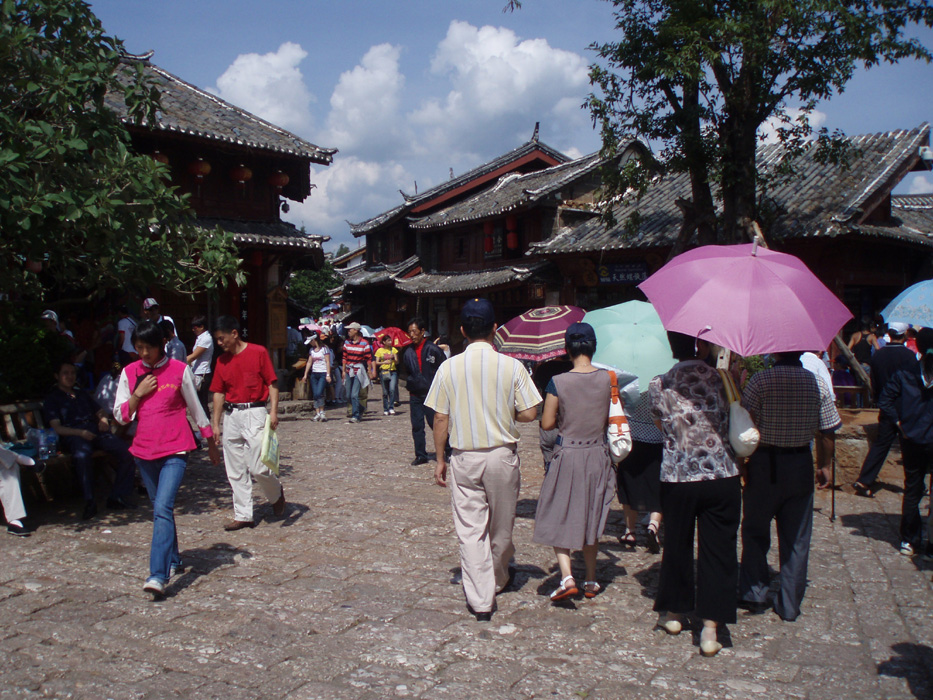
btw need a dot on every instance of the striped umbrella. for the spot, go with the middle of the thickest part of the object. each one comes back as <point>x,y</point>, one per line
<point>537,334</point>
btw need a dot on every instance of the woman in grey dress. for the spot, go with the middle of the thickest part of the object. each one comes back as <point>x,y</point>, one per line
<point>578,486</point>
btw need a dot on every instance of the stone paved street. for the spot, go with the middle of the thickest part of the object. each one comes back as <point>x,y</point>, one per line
<point>348,596</point>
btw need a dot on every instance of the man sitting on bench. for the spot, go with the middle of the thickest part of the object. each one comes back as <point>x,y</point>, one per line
<point>84,427</point>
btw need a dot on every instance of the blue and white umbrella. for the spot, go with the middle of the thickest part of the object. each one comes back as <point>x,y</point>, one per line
<point>914,306</point>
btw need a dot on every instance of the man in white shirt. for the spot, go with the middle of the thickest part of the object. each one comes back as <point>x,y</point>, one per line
<point>126,353</point>
<point>200,360</point>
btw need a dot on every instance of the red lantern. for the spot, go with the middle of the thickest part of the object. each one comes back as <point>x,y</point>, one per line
<point>241,174</point>
<point>511,223</point>
<point>487,244</point>
<point>511,240</point>
<point>200,168</point>
<point>160,157</point>
<point>278,180</point>
<point>488,230</point>
<point>34,265</point>
<point>255,258</point>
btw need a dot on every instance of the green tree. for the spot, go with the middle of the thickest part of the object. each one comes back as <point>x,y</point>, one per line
<point>342,249</point>
<point>699,77</point>
<point>309,287</point>
<point>78,208</point>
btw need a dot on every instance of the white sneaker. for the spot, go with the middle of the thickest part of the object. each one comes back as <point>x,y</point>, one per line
<point>155,588</point>
<point>391,411</point>
<point>317,417</point>
<point>907,549</point>
<point>323,418</point>
<point>385,413</point>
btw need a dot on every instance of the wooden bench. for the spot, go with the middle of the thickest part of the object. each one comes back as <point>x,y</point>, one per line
<point>18,418</point>
<point>858,392</point>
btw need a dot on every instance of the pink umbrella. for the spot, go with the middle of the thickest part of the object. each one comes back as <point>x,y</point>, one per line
<point>748,299</point>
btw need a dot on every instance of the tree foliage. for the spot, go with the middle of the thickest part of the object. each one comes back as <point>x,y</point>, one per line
<point>699,77</point>
<point>78,208</point>
<point>309,287</point>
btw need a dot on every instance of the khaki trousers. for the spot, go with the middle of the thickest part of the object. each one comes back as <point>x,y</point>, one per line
<point>242,442</point>
<point>10,495</point>
<point>484,486</point>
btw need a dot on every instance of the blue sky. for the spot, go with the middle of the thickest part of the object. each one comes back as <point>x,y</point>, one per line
<point>409,90</point>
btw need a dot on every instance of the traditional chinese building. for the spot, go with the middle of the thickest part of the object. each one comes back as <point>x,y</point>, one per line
<point>475,234</point>
<point>239,170</point>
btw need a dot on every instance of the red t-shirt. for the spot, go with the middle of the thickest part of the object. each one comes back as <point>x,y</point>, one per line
<point>245,377</point>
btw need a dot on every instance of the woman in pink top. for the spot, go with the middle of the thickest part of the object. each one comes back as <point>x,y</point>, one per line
<point>156,390</point>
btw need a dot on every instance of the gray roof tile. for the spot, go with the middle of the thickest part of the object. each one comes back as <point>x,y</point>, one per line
<point>455,282</point>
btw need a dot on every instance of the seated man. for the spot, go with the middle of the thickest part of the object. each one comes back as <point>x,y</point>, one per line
<point>83,427</point>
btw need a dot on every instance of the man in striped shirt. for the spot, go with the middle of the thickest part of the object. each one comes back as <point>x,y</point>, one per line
<point>357,368</point>
<point>477,397</point>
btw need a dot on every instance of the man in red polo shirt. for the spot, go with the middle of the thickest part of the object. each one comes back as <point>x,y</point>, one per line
<point>244,380</point>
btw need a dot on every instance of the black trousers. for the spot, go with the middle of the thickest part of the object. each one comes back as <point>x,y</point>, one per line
<point>918,459</point>
<point>779,487</point>
<point>874,460</point>
<point>713,509</point>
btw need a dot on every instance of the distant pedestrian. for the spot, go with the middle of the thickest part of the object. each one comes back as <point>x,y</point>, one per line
<point>318,368</point>
<point>478,396</point>
<point>357,369</point>
<point>156,390</point>
<point>200,360</point>
<point>244,380</point>
<point>885,363</point>
<point>387,366</point>
<point>174,348</point>
<point>422,359</point>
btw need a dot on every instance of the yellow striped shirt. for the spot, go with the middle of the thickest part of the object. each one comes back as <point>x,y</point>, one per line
<point>482,390</point>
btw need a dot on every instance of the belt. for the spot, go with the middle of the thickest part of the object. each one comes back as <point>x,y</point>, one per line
<point>578,443</point>
<point>231,407</point>
<point>773,451</point>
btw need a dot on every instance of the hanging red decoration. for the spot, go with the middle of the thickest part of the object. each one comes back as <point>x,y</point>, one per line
<point>241,174</point>
<point>278,180</point>
<point>511,240</point>
<point>511,223</point>
<point>160,157</point>
<point>34,265</point>
<point>200,168</point>
<point>487,244</point>
<point>488,228</point>
<point>255,258</point>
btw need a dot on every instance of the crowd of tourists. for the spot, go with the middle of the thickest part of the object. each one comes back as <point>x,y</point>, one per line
<point>680,465</point>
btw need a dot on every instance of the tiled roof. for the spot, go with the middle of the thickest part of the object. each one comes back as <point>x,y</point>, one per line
<point>413,201</point>
<point>511,192</point>
<point>454,282</point>
<point>189,110</point>
<point>378,274</point>
<point>821,200</point>
<point>276,234</point>
<point>915,213</point>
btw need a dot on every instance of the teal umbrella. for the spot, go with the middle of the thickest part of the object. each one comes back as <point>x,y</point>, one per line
<point>630,336</point>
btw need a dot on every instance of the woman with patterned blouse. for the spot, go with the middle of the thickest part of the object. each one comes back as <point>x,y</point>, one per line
<point>700,489</point>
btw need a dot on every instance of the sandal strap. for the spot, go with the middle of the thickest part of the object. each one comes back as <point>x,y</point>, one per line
<point>565,579</point>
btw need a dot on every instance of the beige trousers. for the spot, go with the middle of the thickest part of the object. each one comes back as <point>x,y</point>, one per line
<point>10,495</point>
<point>484,486</point>
<point>242,442</point>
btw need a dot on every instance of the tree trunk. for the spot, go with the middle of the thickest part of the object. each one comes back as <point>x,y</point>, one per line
<point>739,177</point>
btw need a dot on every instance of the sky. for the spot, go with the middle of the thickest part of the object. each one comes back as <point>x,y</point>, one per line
<point>410,91</point>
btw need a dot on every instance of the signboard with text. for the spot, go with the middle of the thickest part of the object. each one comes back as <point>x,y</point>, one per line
<point>622,273</point>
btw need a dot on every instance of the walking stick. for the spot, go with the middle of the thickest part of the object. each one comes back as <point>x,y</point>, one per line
<point>832,486</point>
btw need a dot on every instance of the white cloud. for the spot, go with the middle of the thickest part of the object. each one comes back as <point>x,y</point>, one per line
<point>500,86</point>
<point>921,184</point>
<point>364,105</point>
<point>767,132</point>
<point>270,86</point>
<point>352,190</point>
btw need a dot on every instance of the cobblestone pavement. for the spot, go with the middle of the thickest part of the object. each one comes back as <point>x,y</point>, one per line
<point>348,596</point>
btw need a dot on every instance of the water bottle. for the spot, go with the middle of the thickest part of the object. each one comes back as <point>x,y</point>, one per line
<point>43,445</point>
<point>51,441</point>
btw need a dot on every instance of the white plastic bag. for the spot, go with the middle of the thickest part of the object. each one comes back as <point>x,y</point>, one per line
<point>743,435</point>
<point>270,447</point>
<point>619,435</point>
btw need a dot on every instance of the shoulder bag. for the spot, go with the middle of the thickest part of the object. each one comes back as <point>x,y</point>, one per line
<point>743,435</point>
<point>619,435</point>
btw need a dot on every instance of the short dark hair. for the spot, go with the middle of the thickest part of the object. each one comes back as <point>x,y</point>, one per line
<point>199,320</point>
<point>227,324</point>
<point>683,346</point>
<point>168,328</point>
<point>476,328</point>
<point>581,346</point>
<point>150,333</point>
<point>61,363</point>
<point>417,321</point>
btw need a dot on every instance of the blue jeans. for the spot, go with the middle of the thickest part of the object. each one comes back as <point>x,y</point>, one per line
<point>418,412</point>
<point>389,389</point>
<point>318,386</point>
<point>162,478</point>
<point>353,386</point>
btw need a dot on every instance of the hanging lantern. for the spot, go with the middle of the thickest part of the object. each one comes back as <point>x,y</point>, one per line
<point>200,168</point>
<point>487,239</point>
<point>255,258</point>
<point>278,180</point>
<point>511,240</point>
<point>487,244</point>
<point>241,174</point>
<point>511,223</point>
<point>160,157</point>
<point>34,265</point>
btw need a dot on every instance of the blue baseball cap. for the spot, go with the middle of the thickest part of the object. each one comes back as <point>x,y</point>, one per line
<point>478,308</point>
